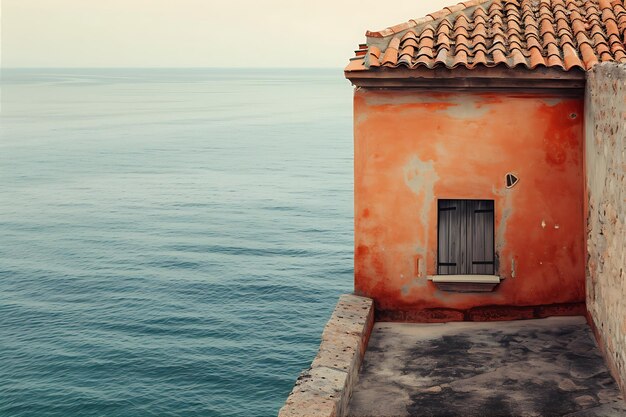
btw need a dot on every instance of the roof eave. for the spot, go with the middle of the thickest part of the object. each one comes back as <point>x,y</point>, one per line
<point>500,77</point>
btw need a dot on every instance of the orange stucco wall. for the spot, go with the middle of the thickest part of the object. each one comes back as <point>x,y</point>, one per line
<point>413,147</point>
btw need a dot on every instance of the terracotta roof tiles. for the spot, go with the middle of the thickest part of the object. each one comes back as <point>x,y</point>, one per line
<point>564,34</point>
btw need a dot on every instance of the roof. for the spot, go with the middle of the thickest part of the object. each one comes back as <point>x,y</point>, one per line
<point>530,34</point>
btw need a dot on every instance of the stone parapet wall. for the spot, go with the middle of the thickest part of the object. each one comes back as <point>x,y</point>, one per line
<point>325,388</point>
<point>605,153</point>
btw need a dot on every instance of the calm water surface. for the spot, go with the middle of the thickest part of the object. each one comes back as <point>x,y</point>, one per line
<point>171,241</point>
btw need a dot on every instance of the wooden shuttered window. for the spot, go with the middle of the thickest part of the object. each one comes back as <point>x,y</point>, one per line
<point>466,237</point>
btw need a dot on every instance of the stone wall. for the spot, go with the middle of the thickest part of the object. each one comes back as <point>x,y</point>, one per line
<point>325,388</point>
<point>605,124</point>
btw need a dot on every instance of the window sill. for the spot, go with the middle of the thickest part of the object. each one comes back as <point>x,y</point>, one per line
<point>465,283</point>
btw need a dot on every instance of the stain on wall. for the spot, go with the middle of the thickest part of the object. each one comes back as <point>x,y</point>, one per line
<point>413,147</point>
<point>605,154</point>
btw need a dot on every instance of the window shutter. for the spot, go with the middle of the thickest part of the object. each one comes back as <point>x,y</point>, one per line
<point>465,237</point>
<point>449,235</point>
<point>480,242</point>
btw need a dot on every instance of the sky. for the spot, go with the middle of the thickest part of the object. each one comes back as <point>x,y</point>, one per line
<point>194,33</point>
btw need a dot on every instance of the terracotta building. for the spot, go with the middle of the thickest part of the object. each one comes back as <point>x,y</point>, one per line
<point>489,184</point>
<point>474,148</point>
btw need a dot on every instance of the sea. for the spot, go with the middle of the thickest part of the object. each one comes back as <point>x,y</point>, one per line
<point>172,241</point>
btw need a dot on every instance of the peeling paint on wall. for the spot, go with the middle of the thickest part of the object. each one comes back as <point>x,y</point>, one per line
<point>420,176</point>
<point>503,213</point>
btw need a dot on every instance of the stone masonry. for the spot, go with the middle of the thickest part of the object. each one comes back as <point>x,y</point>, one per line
<point>325,388</point>
<point>605,124</point>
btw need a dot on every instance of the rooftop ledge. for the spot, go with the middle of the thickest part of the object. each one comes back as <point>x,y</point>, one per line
<point>489,78</point>
<point>465,283</point>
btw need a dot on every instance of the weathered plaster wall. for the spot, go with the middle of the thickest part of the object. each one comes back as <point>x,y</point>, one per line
<point>605,124</point>
<point>413,147</point>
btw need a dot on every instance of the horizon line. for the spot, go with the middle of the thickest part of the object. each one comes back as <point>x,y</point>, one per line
<point>167,67</point>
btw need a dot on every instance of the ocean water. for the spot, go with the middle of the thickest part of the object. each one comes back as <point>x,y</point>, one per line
<point>171,241</point>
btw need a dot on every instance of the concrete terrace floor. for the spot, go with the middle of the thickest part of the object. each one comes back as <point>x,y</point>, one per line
<point>547,367</point>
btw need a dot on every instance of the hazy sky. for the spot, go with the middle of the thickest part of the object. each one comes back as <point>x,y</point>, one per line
<point>194,33</point>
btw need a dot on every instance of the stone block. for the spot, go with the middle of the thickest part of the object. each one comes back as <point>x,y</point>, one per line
<point>325,388</point>
<point>318,392</point>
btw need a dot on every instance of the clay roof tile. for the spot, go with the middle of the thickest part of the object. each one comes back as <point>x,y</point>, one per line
<point>405,59</point>
<point>566,39</point>
<point>442,57</point>
<point>570,57</point>
<point>514,26</point>
<point>496,19</point>
<point>548,38</point>
<point>394,44</point>
<point>391,53</point>
<point>408,50</point>
<point>439,14</point>
<point>427,52</point>
<point>589,57</point>
<point>581,38</point>
<point>496,5</point>
<point>480,58</point>
<point>480,47</point>
<point>555,61</point>
<point>620,56</point>
<point>499,39</point>
<point>498,57</point>
<point>600,42</point>
<point>460,31</point>
<point>426,61</point>
<point>534,43</point>
<point>426,43</point>
<point>462,47</point>
<point>409,35</point>
<point>578,26</point>
<point>553,50</point>
<point>479,40</point>
<point>536,58</point>
<point>575,15</point>
<point>460,59</point>
<point>410,42</point>
<point>428,32</point>
<point>546,26</point>
<point>614,41</point>
<point>372,57</point>
<point>479,12</point>
<point>443,39</point>
<point>517,58</point>
<point>461,21</point>
<point>596,30</point>
<point>479,30</point>
<point>565,34</point>
<point>611,27</point>
<point>563,26</point>
<point>445,23</point>
<point>530,20</point>
<point>455,8</point>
